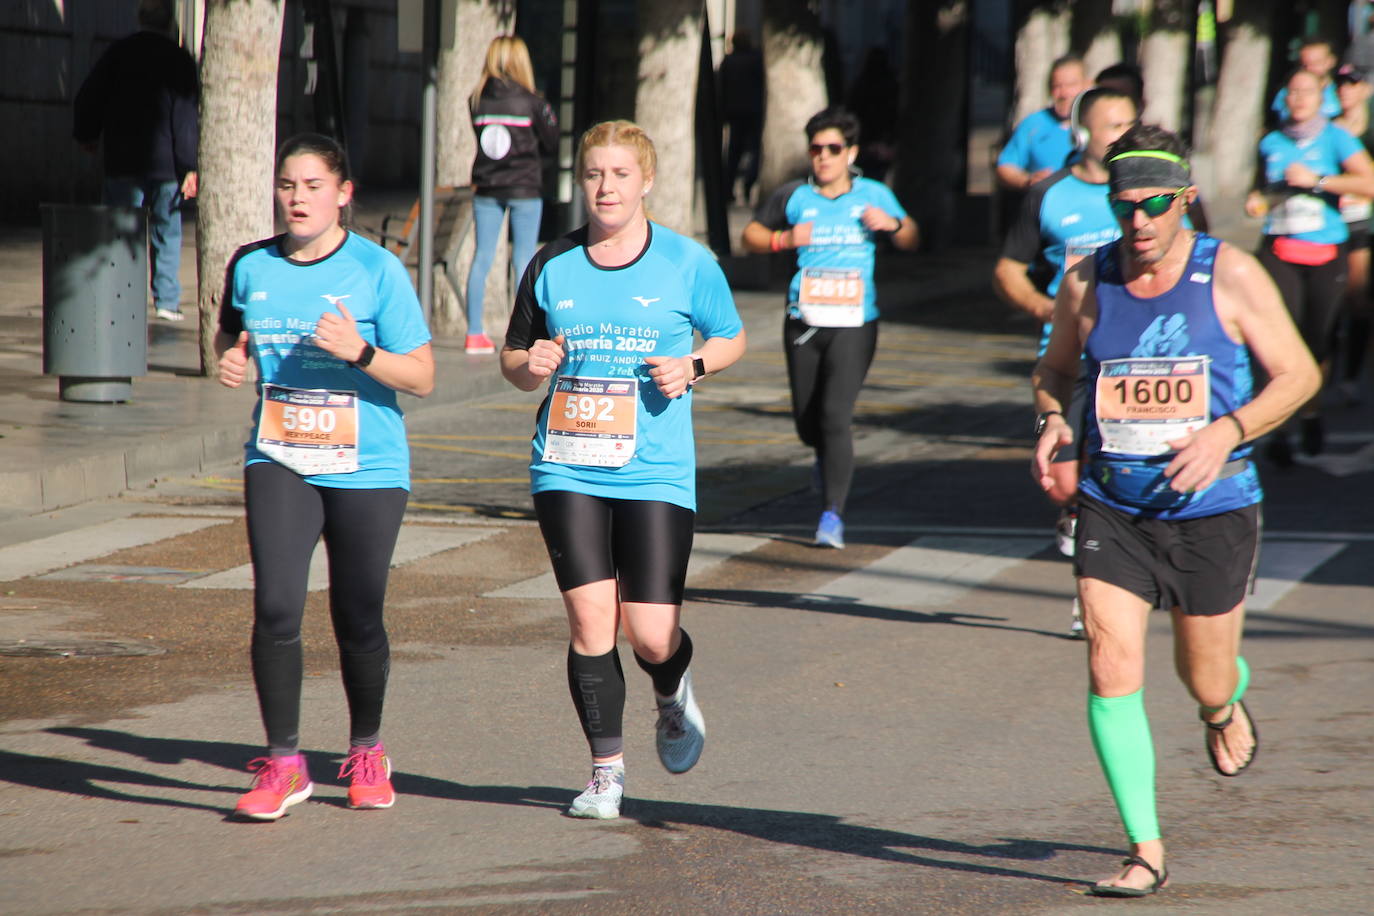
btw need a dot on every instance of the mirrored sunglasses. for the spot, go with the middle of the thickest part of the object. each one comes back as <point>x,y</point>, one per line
<point>1153,206</point>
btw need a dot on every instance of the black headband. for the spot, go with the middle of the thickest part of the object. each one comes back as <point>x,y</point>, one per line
<point>1148,168</point>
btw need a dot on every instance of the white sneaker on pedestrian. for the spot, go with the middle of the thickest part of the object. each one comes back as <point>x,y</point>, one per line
<point>601,799</point>
<point>1076,624</point>
<point>170,315</point>
<point>681,731</point>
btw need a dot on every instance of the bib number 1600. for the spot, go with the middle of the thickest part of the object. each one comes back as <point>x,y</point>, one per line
<point>586,407</point>
<point>308,419</point>
<point>1155,391</point>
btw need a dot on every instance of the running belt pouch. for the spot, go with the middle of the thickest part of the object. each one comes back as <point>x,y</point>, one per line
<point>1308,254</point>
<point>1141,484</point>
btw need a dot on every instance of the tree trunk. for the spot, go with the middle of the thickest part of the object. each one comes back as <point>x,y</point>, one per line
<point>1093,34</point>
<point>238,113</point>
<point>792,60</point>
<point>1043,36</point>
<point>930,139</point>
<point>477,22</point>
<point>1241,103</point>
<point>666,101</point>
<point>1165,58</point>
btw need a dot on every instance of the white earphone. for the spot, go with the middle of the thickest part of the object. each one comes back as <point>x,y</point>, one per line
<point>1078,134</point>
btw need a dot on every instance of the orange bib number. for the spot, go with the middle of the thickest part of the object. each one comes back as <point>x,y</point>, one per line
<point>831,298</point>
<point>1143,404</point>
<point>591,421</point>
<point>310,431</point>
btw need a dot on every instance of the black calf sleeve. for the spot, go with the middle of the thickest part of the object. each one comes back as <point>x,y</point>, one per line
<point>667,675</point>
<point>277,672</point>
<point>597,684</point>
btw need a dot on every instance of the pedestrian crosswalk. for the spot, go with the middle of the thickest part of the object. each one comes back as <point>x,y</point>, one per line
<point>936,567</point>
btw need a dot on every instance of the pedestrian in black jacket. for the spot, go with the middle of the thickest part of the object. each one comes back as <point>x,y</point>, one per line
<point>139,102</point>
<point>515,129</point>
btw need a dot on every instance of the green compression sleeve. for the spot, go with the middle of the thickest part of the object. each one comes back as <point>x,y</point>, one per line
<point>1121,736</point>
<point>1242,680</point>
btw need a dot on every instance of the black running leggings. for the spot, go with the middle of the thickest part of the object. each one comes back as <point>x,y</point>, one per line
<point>826,369</point>
<point>286,517</point>
<point>642,543</point>
<point>1313,295</point>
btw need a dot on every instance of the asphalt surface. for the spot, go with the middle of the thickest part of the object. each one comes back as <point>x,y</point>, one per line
<point>892,728</point>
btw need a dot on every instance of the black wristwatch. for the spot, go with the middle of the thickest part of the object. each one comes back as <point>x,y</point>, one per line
<point>365,358</point>
<point>1042,419</point>
<point>698,368</point>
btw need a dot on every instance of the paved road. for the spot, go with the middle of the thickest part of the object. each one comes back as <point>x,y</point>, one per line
<point>894,728</point>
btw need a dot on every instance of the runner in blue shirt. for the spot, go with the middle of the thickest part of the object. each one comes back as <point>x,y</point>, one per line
<point>1305,167</point>
<point>831,329</point>
<point>1064,219</point>
<point>332,324</point>
<point>605,317</point>
<point>1315,57</point>
<point>1041,143</point>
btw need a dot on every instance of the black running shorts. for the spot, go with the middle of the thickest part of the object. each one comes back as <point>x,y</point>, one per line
<point>1203,566</point>
<point>644,544</point>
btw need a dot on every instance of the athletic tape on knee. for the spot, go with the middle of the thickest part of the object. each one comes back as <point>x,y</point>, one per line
<point>1121,736</point>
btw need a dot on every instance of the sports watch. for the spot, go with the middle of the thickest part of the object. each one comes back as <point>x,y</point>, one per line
<point>365,358</point>
<point>698,368</point>
<point>1044,418</point>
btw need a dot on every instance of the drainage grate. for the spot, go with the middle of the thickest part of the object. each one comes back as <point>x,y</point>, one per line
<point>83,648</point>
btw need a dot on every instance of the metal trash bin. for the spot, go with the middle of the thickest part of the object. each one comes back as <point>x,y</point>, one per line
<point>95,300</point>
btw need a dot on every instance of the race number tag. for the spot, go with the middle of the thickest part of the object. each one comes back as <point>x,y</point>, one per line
<point>1295,214</point>
<point>1143,404</point>
<point>310,431</point>
<point>591,421</point>
<point>831,298</point>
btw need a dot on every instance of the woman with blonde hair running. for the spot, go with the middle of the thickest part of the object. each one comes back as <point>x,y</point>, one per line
<point>605,316</point>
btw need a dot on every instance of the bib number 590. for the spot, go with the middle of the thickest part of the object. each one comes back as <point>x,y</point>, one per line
<point>307,419</point>
<point>585,407</point>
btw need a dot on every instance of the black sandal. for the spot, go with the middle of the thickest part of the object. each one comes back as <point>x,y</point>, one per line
<point>1222,726</point>
<point>1114,890</point>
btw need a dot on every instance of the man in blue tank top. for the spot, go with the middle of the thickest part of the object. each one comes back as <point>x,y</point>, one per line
<point>1169,321</point>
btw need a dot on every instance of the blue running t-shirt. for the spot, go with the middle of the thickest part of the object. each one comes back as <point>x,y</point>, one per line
<point>1307,215</point>
<point>839,239</point>
<point>1041,141</point>
<point>278,301</point>
<point>611,318</point>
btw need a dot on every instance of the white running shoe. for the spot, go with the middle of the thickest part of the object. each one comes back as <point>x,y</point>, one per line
<point>681,731</point>
<point>170,315</point>
<point>1065,529</point>
<point>1076,624</point>
<point>601,799</point>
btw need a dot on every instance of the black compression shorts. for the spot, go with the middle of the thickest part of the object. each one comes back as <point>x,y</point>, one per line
<point>1203,566</point>
<point>645,544</point>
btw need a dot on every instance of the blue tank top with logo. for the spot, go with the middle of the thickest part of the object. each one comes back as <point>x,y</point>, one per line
<point>1159,368</point>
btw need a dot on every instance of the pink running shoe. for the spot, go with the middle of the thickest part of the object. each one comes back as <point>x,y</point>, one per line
<point>479,344</point>
<point>370,772</point>
<point>280,783</point>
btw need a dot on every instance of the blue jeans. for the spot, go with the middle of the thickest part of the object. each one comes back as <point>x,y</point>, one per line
<point>487,214</point>
<point>164,230</point>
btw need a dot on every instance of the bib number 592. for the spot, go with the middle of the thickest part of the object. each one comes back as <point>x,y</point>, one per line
<point>585,407</point>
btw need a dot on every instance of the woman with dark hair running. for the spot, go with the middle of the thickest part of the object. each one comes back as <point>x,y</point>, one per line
<point>332,324</point>
<point>831,327</point>
<point>605,316</point>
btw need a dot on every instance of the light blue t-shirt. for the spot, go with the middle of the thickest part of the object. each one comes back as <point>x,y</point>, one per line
<point>611,319</point>
<point>279,301</point>
<point>839,239</point>
<point>1306,215</point>
<point>1040,141</point>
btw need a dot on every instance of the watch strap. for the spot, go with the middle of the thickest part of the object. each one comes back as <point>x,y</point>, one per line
<point>365,358</point>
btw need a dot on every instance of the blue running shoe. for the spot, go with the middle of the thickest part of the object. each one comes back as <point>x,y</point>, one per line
<point>830,532</point>
<point>680,732</point>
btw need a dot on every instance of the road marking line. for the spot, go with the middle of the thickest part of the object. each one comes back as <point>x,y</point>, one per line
<point>20,561</point>
<point>414,543</point>
<point>708,552</point>
<point>1282,565</point>
<point>932,571</point>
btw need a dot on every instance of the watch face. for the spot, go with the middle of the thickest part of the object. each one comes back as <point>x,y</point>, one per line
<point>698,367</point>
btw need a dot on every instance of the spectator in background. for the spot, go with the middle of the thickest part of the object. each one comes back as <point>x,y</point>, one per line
<point>1316,57</point>
<point>1042,142</point>
<point>873,100</point>
<point>1126,79</point>
<point>139,103</point>
<point>741,105</point>
<point>1360,54</point>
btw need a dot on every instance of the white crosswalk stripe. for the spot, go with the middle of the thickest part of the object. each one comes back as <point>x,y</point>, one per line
<point>708,552</point>
<point>414,543</point>
<point>931,571</point>
<point>1283,564</point>
<point>32,558</point>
